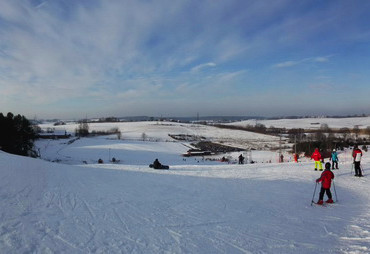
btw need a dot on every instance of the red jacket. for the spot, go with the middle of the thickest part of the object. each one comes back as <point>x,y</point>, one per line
<point>355,152</point>
<point>325,178</point>
<point>316,155</point>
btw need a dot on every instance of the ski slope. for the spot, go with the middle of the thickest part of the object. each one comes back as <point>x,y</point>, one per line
<point>119,208</point>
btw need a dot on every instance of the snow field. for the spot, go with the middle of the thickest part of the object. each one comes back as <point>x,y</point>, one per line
<point>158,131</point>
<point>198,206</point>
<point>310,123</point>
<point>114,208</point>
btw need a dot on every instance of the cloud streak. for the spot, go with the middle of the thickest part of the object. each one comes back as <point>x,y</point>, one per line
<point>203,66</point>
<point>321,59</point>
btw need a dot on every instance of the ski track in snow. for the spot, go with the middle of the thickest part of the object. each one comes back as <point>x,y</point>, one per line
<point>260,208</point>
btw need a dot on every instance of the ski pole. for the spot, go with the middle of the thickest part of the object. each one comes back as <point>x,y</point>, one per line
<point>313,196</point>
<point>335,191</point>
<point>363,172</point>
<point>352,168</point>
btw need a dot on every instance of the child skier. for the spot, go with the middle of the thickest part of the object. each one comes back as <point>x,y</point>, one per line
<point>317,158</point>
<point>325,178</point>
<point>334,159</point>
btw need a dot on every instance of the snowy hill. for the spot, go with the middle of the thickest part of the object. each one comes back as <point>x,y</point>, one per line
<point>310,123</point>
<point>158,131</point>
<point>104,208</point>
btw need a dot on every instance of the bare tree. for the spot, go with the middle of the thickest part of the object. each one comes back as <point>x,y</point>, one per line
<point>83,129</point>
<point>356,131</point>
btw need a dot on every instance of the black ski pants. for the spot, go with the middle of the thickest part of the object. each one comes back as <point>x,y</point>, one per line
<point>334,163</point>
<point>328,193</point>
<point>358,168</point>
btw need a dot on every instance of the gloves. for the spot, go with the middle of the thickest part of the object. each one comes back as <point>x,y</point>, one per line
<point>318,180</point>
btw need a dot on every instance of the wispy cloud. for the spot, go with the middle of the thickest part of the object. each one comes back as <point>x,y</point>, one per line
<point>321,59</point>
<point>202,66</point>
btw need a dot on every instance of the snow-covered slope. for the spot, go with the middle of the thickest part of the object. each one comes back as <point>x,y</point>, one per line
<point>311,123</point>
<point>158,131</point>
<point>257,208</point>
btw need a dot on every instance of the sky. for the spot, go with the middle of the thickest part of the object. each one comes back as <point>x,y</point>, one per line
<point>94,58</point>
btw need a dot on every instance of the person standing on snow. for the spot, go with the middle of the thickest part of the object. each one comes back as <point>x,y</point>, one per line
<point>241,159</point>
<point>316,156</point>
<point>334,159</point>
<point>357,154</point>
<point>325,178</point>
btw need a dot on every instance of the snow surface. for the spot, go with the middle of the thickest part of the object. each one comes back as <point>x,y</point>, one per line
<point>198,206</point>
<point>310,123</point>
<point>115,208</point>
<point>158,131</point>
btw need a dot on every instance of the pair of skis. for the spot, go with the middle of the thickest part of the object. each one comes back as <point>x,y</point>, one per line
<point>314,192</point>
<point>323,204</point>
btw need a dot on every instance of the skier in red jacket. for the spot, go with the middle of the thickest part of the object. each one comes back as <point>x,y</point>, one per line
<point>317,158</point>
<point>325,178</point>
<point>357,154</point>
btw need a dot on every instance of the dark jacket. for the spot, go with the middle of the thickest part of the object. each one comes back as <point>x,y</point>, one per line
<point>157,164</point>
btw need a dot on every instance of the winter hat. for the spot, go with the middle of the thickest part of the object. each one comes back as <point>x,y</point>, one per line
<point>327,165</point>
<point>333,150</point>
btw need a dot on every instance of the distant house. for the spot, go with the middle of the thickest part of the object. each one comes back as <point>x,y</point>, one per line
<point>196,152</point>
<point>59,123</point>
<point>54,135</point>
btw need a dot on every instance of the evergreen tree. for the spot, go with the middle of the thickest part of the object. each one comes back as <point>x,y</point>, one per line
<point>16,134</point>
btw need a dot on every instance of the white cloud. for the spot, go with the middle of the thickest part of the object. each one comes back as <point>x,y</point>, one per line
<point>321,59</point>
<point>286,64</point>
<point>202,66</point>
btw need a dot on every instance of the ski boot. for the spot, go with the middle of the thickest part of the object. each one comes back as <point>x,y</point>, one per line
<point>320,202</point>
<point>330,201</point>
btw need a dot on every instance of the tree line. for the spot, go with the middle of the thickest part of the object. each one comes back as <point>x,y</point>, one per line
<point>16,135</point>
<point>327,139</point>
<point>306,140</point>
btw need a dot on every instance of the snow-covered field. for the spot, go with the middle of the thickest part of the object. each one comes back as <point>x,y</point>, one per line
<point>158,131</point>
<point>112,208</point>
<point>311,123</point>
<point>195,207</point>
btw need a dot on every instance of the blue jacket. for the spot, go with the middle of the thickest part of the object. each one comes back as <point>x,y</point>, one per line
<point>334,156</point>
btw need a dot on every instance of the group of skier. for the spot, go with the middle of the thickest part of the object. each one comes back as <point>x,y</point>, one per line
<point>327,176</point>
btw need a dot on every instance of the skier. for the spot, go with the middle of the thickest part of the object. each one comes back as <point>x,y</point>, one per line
<point>281,158</point>
<point>241,159</point>
<point>334,159</point>
<point>317,158</point>
<point>325,178</point>
<point>357,154</point>
<point>296,157</point>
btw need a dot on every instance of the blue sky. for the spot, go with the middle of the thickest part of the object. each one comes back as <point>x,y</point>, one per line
<point>77,58</point>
